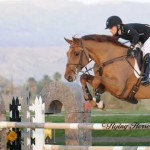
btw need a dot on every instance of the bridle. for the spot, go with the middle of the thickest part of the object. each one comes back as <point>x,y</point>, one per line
<point>79,66</point>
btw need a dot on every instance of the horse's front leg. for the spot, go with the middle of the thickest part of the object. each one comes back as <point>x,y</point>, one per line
<point>84,79</point>
<point>98,90</point>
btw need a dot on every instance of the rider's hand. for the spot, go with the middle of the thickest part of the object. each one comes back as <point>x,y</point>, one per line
<point>130,51</point>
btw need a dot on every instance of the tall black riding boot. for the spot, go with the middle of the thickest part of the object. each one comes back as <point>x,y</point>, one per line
<point>138,54</point>
<point>146,79</point>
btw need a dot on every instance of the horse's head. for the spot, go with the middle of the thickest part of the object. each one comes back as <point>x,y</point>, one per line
<point>77,58</point>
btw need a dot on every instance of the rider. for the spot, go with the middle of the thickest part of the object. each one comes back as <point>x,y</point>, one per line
<point>138,35</point>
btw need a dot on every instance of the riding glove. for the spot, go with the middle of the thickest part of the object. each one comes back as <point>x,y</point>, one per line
<point>130,51</point>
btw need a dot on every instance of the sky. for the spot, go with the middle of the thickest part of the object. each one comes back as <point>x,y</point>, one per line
<point>88,1</point>
<point>107,1</point>
<point>42,22</point>
<point>32,31</point>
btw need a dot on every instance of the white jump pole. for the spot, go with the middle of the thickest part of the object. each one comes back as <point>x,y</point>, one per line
<point>95,126</point>
<point>70,147</point>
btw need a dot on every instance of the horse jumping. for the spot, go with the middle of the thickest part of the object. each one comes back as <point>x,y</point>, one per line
<point>113,70</point>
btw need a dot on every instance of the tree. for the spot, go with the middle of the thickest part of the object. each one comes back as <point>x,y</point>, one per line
<point>57,76</point>
<point>32,84</point>
<point>45,80</point>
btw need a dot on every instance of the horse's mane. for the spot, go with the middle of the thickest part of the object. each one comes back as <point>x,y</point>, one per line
<point>103,38</point>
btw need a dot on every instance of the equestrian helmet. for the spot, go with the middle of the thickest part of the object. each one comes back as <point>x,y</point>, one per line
<point>113,21</point>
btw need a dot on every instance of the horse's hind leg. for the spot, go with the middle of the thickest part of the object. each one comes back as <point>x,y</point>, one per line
<point>84,79</point>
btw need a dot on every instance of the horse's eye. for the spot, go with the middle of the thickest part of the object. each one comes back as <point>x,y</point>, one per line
<point>76,53</point>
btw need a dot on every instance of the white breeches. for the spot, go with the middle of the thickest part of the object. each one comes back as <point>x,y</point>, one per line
<point>146,47</point>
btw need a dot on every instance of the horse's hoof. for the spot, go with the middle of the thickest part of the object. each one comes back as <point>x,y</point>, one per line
<point>101,105</point>
<point>93,104</point>
<point>94,99</point>
<point>88,97</point>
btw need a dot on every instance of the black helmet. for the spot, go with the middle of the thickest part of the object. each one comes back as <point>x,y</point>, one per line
<point>113,21</point>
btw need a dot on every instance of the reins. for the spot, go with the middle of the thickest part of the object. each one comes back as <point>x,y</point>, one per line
<point>101,66</point>
<point>124,57</point>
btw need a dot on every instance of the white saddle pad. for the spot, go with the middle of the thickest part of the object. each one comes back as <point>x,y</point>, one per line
<point>136,67</point>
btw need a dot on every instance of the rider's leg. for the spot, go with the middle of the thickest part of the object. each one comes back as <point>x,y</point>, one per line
<point>146,79</point>
<point>146,52</point>
<point>138,54</point>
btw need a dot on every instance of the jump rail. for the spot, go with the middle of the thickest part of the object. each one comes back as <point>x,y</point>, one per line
<point>63,147</point>
<point>86,126</point>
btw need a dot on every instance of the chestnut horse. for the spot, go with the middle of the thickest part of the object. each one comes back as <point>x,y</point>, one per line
<point>113,70</point>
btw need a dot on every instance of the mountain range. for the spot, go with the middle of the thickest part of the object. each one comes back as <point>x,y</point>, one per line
<point>32,32</point>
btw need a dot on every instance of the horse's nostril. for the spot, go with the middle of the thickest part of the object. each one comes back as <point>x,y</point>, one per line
<point>70,79</point>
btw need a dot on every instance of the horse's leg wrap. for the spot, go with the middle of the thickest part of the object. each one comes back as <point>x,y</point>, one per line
<point>97,95</point>
<point>97,99</point>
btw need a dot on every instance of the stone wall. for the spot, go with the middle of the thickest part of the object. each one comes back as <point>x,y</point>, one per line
<point>70,96</point>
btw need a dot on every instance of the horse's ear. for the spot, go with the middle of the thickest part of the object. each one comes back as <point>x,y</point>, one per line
<point>76,40</point>
<point>68,41</point>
